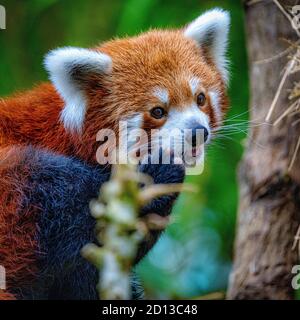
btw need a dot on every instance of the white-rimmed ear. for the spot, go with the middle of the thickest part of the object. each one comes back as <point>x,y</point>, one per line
<point>210,30</point>
<point>69,70</point>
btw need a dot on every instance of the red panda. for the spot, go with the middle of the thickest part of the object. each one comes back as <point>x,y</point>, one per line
<point>159,79</point>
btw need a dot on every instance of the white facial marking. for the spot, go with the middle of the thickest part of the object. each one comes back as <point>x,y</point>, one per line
<point>161,94</point>
<point>182,119</point>
<point>179,128</point>
<point>134,121</point>
<point>194,84</point>
<point>215,102</point>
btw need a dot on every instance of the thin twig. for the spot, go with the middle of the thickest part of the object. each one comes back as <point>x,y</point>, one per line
<point>294,156</point>
<point>286,14</point>
<point>120,230</point>
<point>286,112</point>
<point>158,190</point>
<point>277,56</point>
<point>295,122</point>
<point>253,2</point>
<point>297,240</point>
<point>282,82</point>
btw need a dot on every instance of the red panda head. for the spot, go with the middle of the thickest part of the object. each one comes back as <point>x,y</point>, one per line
<point>157,80</point>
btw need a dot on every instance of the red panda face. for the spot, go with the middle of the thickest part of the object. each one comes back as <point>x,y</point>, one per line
<point>159,80</point>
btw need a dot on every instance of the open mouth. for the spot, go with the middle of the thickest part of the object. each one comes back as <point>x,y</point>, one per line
<point>184,154</point>
<point>189,157</point>
<point>196,152</point>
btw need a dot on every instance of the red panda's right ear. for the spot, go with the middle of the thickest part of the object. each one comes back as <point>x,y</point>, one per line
<point>68,68</point>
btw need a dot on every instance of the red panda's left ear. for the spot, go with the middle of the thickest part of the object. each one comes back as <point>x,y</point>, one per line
<point>69,69</point>
<point>210,31</point>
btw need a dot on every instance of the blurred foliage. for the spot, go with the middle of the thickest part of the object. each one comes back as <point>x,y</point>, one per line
<point>194,255</point>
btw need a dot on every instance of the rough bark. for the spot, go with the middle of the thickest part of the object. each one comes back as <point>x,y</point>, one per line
<point>269,195</point>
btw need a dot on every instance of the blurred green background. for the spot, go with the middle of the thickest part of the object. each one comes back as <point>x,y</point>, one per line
<point>194,256</point>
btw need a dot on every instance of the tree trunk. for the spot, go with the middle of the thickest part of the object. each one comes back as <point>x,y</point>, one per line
<point>269,193</point>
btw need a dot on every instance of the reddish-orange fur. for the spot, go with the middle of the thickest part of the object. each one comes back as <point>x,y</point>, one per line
<point>164,58</point>
<point>17,231</point>
<point>6,296</point>
<point>158,58</point>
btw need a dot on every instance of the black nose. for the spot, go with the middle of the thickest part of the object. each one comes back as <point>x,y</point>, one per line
<point>196,131</point>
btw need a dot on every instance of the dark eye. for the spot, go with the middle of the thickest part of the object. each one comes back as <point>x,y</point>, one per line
<point>158,112</point>
<point>201,99</point>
